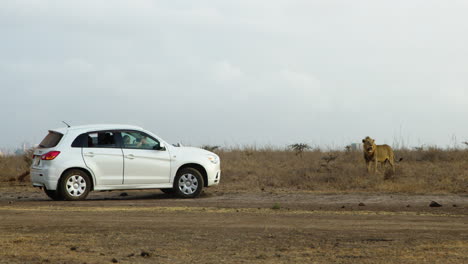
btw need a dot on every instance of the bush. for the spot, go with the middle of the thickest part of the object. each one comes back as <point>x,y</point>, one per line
<point>13,166</point>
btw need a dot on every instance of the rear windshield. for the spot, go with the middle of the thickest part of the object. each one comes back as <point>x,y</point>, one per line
<point>51,140</point>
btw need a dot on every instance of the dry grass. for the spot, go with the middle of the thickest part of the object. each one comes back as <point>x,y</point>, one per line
<point>421,171</point>
<point>266,169</point>
<point>11,167</point>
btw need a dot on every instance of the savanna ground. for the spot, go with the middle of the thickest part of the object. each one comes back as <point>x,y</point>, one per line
<point>272,207</point>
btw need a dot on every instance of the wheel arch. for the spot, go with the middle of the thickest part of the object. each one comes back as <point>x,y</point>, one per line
<point>199,168</point>
<point>90,175</point>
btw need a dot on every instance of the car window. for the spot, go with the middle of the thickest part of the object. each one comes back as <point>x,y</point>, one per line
<point>80,141</point>
<point>138,140</point>
<point>102,139</point>
<point>51,140</point>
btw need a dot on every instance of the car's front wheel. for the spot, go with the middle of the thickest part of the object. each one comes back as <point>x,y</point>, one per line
<point>74,185</point>
<point>188,183</point>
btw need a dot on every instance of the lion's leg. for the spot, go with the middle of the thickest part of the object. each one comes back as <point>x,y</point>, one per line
<point>384,165</point>
<point>391,159</point>
<point>392,163</point>
<point>368,166</point>
<point>375,166</point>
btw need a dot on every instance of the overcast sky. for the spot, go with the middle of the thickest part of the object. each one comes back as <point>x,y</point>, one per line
<point>238,72</point>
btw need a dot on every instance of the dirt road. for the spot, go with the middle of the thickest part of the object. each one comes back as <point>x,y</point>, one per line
<point>282,227</point>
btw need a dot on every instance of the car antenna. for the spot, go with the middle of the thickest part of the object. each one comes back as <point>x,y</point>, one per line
<point>66,123</point>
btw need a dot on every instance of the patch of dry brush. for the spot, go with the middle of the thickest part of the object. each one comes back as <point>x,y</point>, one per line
<point>15,167</point>
<point>421,171</point>
<point>255,169</point>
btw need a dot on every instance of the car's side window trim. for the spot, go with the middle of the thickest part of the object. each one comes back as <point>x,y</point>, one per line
<point>143,133</point>
<point>116,136</point>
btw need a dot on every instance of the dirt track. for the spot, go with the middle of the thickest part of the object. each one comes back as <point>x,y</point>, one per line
<point>150,227</point>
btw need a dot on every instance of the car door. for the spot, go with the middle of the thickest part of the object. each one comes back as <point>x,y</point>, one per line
<point>144,161</point>
<point>104,157</point>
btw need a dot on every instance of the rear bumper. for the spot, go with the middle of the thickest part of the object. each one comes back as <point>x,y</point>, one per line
<point>44,178</point>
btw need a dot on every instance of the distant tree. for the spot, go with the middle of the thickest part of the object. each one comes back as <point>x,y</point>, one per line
<point>210,147</point>
<point>299,148</point>
<point>466,143</point>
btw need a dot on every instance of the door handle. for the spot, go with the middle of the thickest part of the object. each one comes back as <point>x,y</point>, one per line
<point>89,154</point>
<point>129,156</point>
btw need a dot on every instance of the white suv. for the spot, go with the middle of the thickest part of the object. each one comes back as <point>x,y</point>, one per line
<point>70,162</point>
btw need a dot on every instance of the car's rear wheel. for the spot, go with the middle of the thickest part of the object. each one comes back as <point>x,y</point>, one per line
<point>53,194</point>
<point>74,185</point>
<point>188,183</point>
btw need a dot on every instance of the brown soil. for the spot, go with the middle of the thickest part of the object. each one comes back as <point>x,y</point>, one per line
<point>232,227</point>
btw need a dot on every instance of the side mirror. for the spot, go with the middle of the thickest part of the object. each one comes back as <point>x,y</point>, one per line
<point>161,147</point>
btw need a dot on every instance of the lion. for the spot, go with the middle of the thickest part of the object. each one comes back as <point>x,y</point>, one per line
<point>373,154</point>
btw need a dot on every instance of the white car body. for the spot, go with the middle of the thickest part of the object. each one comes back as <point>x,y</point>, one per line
<point>117,167</point>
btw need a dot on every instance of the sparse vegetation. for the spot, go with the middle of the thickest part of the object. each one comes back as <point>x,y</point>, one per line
<point>330,157</point>
<point>299,148</point>
<point>432,170</point>
<point>12,166</point>
<point>428,170</point>
<point>327,164</point>
<point>276,206</point>
<point>210,147</point>
<point>348,148</point>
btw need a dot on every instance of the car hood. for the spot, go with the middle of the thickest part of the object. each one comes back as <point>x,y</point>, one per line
<point>193,150</point>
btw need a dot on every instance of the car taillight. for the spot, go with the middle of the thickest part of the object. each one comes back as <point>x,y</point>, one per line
<point>50,155</point>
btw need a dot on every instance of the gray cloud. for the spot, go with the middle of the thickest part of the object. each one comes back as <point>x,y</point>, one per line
<point>242,72</point>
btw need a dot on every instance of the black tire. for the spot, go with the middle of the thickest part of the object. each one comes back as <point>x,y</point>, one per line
<point>188,183</point>
<point>168,190</point>
<point>54,195</point>
<point>74,185</point>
